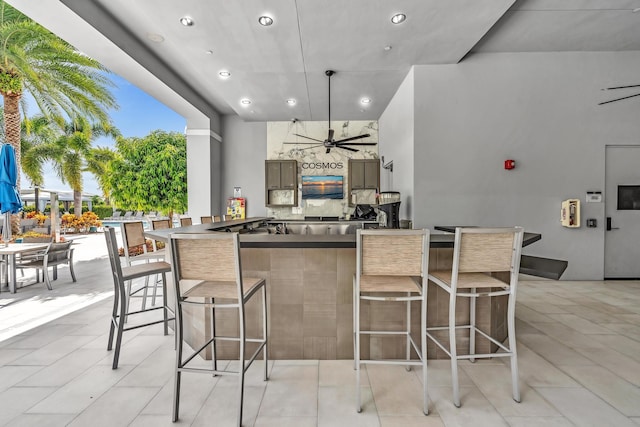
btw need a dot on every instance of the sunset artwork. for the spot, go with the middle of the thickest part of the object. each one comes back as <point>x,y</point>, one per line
<point>322,187</point>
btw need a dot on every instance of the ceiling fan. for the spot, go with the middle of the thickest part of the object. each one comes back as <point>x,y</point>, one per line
<point>330,143</point>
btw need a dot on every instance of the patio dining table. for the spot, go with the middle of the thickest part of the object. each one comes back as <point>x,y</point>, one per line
<point>10,253</point>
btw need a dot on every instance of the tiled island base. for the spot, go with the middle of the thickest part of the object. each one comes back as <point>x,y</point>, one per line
<point>310,303</point>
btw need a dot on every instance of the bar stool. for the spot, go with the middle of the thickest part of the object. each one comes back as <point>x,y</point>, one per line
<point>477,253</point>
<point>392,265</point>
<point>207,267</point>
<point>206,219</point>
<point>185,222</point>
<point>217,218</point>
<point>133,237</point>
<point>121,296</point>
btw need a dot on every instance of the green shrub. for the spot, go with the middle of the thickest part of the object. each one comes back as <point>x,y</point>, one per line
<point>103,211</point>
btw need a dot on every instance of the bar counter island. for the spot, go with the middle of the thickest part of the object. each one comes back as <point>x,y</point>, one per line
<point>309,268</point>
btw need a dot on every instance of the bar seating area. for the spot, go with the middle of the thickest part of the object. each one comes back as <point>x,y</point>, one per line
<point>577,358</point>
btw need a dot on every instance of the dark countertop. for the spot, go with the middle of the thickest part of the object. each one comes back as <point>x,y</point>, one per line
<point>536,266</point>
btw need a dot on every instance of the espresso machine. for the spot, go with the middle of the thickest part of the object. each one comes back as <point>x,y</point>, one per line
<point>389,209</point>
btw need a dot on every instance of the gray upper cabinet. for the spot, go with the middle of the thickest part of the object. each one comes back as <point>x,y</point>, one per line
<point>281,175</point>
<point>364,174</point>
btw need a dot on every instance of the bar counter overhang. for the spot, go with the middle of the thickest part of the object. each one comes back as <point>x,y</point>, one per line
<point>310,296</point>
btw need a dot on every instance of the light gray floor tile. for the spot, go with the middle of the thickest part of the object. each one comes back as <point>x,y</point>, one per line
<point>529,315</point>
<point>286,421</point>
<point>221,407</point>
<point>157,421</point>
<point>75,396</point>
<point>539,422</point>
<point>65,369</point>
<point>194,391</point>
<point>536,371</point>
<point>117,407</point>
<point>421,421</point>
<point>287,398</point>
<point>584,408</point>
<point>581,325</point>
<point>495,383</point>
<point>294,372</point>
<point>340,373</point>
<point>8,355</point>
<point>337,407</point>
<point>545,308</point>
<point>12,375</point>
<point>475,410</point>
<point>553,350</point>
<point>621,365</point>
<point>53,351</point>
<point>620,394</point>
<point>439,374</point>
<point>395,391</point>
<point>154,371</point>
<point>42,336</point>
<point>636,420</point>
<point>42,420</point>
<point>621,344</point>
<point>17,400</point>
<point>569,336</point>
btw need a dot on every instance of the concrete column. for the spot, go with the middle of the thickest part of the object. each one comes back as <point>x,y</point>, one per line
<point>203,172</point>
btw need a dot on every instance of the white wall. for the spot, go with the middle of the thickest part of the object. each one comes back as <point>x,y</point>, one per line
<point>396,138</point>
<point>539,109</point>
<point>244,150</point>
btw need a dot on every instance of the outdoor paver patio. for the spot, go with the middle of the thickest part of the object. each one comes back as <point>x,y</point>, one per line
<point>579,357</point>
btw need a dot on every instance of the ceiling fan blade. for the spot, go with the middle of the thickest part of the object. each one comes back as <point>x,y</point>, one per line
<point>620,87</point>
<point>619,99</point>
<point>366,135</point>
<point>299,143</point>
<point>313,146</point>
<point>308,137</point>
<point>341,144</point>
<point>344,147</point>
<point>330,136</point>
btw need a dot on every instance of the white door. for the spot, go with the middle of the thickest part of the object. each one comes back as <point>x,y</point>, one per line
<point>622,238</point>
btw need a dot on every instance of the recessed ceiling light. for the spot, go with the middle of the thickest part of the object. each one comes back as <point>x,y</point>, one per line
<point>224,74</point>
<point>388,47</point>
<point>398,18</point>
<point>365,100</point>
<point>186,21</point>
<point>156,38</point>
<point>208,52</point>
<point>265,21</point>
<point>291,101</point>
<point>245,101</point>
<point>636,10</point>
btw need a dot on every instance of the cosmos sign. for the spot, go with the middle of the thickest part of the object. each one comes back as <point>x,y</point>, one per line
<point>322,165</point>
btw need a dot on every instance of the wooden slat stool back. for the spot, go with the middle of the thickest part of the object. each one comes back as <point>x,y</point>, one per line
<point>392,265</point>
<point>206,219</point>
<point>477,253</point>
<point>121,275</point>
<point>133,237</point>
<point>207,272</point>
<point>185,222</point>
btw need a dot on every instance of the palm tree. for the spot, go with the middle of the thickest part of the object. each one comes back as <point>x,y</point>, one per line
<point>72,153</point>
<point>64,83</point>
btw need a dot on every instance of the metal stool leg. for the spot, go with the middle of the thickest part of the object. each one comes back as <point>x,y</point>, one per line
<point>453,350</point>
<point>356,322</point>
<point>265,350</point>
<point>472,324</point>
<point>408,303</point>
<point>214,357</point>
<point>241,363</point>
<point>423,348</point>
<point>511,328</point>
<point>178,374</point>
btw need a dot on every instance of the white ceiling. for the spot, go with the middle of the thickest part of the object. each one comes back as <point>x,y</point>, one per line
<point>289,58</point>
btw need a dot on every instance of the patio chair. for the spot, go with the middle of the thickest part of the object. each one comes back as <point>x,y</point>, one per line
<point>27,224</point>
<point>128,215</point>
<point>139,216</point>
<point>117,215</point>
<point>54,255</point>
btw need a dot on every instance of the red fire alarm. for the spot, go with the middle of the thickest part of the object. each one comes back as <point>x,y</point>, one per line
<point>509,164</point>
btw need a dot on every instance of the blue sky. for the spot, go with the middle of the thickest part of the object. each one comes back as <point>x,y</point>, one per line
<point>138,115</point>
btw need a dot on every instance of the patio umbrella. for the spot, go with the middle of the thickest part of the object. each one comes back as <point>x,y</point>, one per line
<point>10,202</point>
